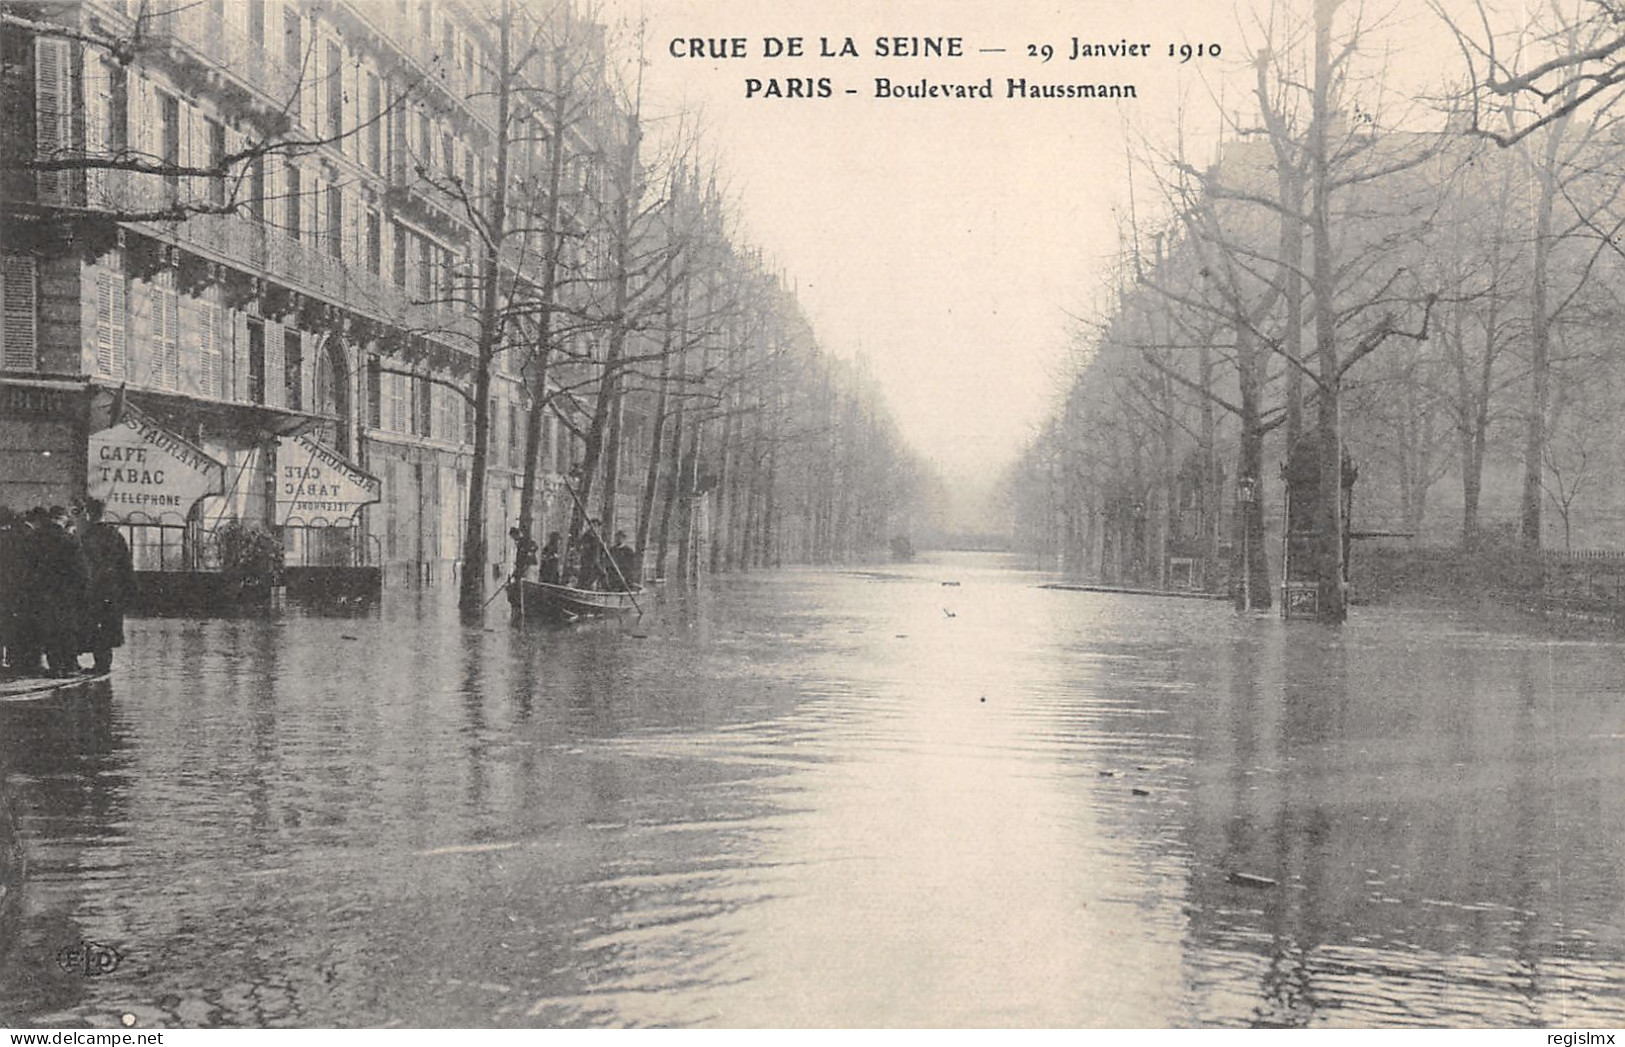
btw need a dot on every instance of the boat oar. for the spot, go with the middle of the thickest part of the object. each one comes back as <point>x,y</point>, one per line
<point>587,519</point>
<point>498,593</point>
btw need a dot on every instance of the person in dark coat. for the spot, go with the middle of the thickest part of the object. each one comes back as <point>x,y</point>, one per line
<point>551,568</point>
<point>591,572</point>
<point>62,593</point>
<point>28,611</point>
<point>11,531</point>
<point>112,585</point>
<point>625,575</point>
<point>524,557</point>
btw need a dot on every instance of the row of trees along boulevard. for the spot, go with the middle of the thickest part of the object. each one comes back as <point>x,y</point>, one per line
<point>1422,287</point>
<point>601,264</point>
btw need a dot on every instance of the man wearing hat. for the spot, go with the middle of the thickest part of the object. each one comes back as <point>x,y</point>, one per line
<point>111,584</point>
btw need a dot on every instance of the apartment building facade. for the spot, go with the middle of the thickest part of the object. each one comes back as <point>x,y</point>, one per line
<point>289,341</point>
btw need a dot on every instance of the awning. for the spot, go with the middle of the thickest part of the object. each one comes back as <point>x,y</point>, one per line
<point>146,473</point>
<point>219,414</point>
<point>315,487</point>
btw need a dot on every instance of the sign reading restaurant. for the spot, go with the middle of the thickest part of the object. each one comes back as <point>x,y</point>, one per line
<point>137,466</point>
<point>315,484</point>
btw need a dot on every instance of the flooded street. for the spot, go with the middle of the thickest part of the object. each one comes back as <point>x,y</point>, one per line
<point>828,798</point>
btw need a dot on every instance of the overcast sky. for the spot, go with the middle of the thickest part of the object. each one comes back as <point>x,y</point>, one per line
<point>945,240</point>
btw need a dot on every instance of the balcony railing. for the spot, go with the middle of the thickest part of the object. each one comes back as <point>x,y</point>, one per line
<point>217,41</point>
<point>309,267</point>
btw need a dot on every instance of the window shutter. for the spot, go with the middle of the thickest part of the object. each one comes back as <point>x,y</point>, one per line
<point>53,119</point>
<point>238,378</point>
<point>208,349</point>
<point>275,371</point>
<point>104,325</point>
<point>165,334</point>
<point>119,328</point>
<point>18,333</point>
<point>158,316</point>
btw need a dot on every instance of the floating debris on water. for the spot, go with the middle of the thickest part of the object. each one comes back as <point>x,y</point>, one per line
<point>1249,880</point>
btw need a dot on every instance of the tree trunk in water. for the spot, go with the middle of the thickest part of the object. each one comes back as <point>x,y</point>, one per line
<point>657,427</point>
<point>672,470</point>
<point>1540,335</point>
<point>471,591</point>
<point>1251,556</point>
<point>547,292</point>
<point>1333,603</point>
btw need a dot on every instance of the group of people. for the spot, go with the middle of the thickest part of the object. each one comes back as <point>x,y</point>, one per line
<point>585,567</point>
<point>65,580</point>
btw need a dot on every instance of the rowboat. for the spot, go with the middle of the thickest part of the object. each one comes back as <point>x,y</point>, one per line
<point>36,688</point>
<point>550,602</point>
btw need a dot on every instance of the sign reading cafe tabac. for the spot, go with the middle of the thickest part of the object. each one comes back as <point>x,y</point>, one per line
<point>138,467</point>
<point>314,484</point>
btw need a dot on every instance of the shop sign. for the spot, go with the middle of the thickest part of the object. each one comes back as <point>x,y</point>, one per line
<point>38,401</point>
<point>315,484</point>
<point>137,466</point>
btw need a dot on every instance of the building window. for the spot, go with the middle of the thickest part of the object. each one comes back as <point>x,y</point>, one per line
<point>335,91</point>
<point>375,392</point>
<point>399,416</point>
<point>335,221</point>
<point>422,406</point>
<point>293,56</point>
<point>402,244</point>
<point>19,333</point>
<point>295,195</point>
<point>293,370</point>
<point>118,107</point>
<point>425,275</point>
<point>170,113</point>
<point>448,155</point>
<point>256,23</point>
<point>256,360</point>
<point>217,159</point>
<point>256,189</point>
<point>451,415</point>
<point>375,125</point>
<point>425,141</point>
<point>375,244</point>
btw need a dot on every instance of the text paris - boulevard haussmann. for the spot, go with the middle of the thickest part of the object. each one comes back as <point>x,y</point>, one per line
<point>926,47</point>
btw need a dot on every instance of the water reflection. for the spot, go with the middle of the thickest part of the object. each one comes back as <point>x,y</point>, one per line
<point>827,798</point>
<point>1428,807</point>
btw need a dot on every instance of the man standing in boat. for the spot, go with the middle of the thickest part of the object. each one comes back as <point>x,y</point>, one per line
<point>551,566</point>
<point>625,559</point>
<point>591,572</point>
<point>524,557</point>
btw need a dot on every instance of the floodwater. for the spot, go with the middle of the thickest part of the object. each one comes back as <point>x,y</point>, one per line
<point>827,798</point>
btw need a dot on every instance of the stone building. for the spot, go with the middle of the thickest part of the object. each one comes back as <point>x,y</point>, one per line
<point>300,362</point>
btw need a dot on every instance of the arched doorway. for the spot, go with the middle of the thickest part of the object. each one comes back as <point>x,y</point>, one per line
<point>333,397</point>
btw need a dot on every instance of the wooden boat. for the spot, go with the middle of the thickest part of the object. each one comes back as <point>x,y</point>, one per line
<point>37,688</point>
<point>564,603</point>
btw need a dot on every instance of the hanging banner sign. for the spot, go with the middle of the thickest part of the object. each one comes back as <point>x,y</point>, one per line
<point>314,484</point>
<point>139,468</point>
